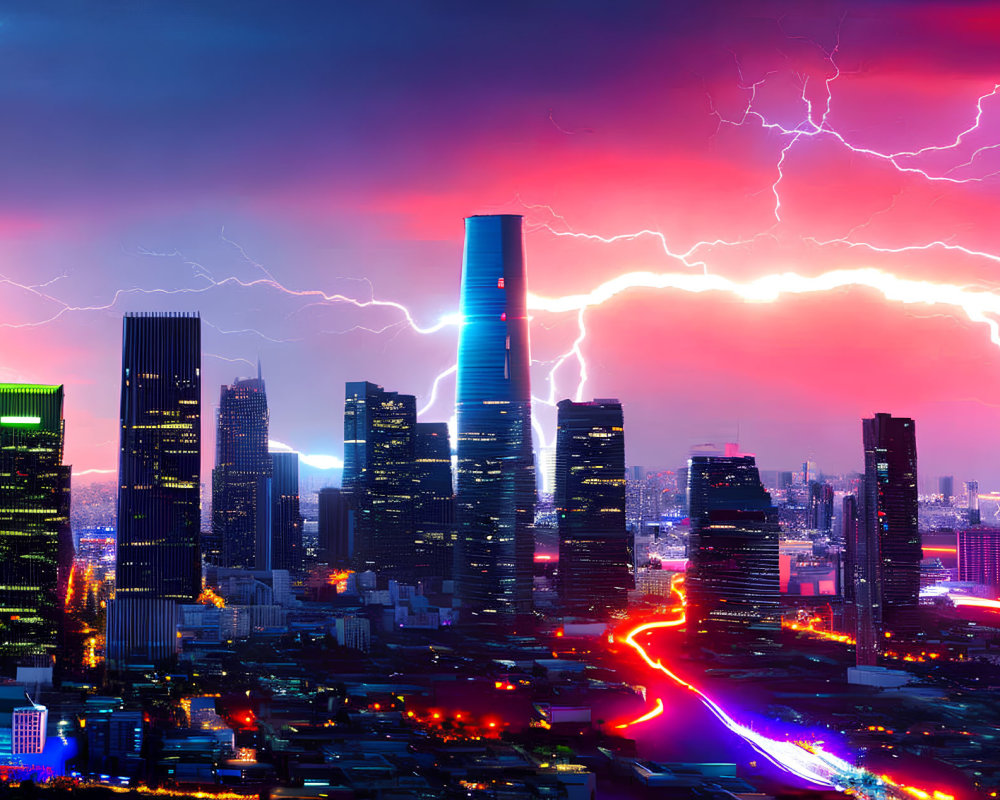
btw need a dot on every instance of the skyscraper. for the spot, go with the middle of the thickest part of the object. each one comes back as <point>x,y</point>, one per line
<point>286,520</point>
<point>336,528</point>
<point>240,487</point>
<point>494,548</point>
<point>159,473</point>
<point>594,573</point>
<point>36,548</point>
<point>979,556</point>
<point>820,516</point>
<point>946,488</point>
<point>378,472</point>
<point>862,592</point>
<point>733,574</point>
<point>889,514</point>
<point>972,490</point>
<point>434,510</point>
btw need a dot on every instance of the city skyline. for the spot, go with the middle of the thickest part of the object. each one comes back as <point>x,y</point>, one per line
<point>643,138</point>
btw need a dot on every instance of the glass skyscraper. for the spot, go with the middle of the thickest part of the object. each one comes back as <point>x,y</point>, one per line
<point>159,474</point>
<point>434,514</point>
<point>733,579</point>
<point>240,481</point>
<point>494,548</point>
<point>286,520</point>
<point>379,429</point>
<point>594,575</point>
<point>36,548</point>
<point>888,515</point>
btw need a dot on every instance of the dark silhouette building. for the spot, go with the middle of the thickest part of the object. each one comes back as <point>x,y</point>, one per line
<point>733,579</point>
<point>889,514</point>
<point>159,474</point>
<point>379,429</point>
<point>495,498</point>
<point>241,514</point>
<point>336,528</point>
<point>434,509</point>
<point>286,550</point>
<point>946,488</point>
<point>862,597</point>
<point>594,576</point>
<point>36,545</point>
<point>979,556</point>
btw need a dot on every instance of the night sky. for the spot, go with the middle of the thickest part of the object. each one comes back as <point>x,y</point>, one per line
<point>244,159</point>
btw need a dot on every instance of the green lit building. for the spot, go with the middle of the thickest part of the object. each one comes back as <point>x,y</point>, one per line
<point>36,547</point>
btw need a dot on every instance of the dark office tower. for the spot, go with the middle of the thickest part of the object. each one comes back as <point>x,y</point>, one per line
<point>494,549</point>
<point>979,557</point>
<point>889,513</point>
<point>36,548</point>
<point>158,564</point>
<point>378,446</point>
<point>434,507</point>
<point>733,580</point>
<point>862,604</point>
<point>820,510</point>
<point>336,528</point>
<point>286,520</point>
<point>784,480</point>
<point>594,573</point>
<point>972,490</point>
<point>946,488</point>
<point>240,502</point>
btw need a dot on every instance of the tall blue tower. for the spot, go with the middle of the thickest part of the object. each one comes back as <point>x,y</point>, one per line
<point>494,550</point>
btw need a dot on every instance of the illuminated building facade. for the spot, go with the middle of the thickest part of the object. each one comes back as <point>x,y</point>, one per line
<point>379,428</point>
<point>495,498</point>
<point>434,512</point>
<point>594,576</point>
<point>888,517</point>
<point>36,548</point>
<point>29,727</point>
<point>240,488</point>
<point>286,520</point>
<point>979,557</point>
<point>157,560</point>
<point>336,528</point>
<point>733,574</point>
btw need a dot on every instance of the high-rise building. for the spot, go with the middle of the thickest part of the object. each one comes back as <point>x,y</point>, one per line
<point>495,499</point>
<point>889,514</point>
<point>240,488</point>
<point>946,488</point>
<point>733,580</point>
<point>378,471</point>
<point>972,490</point>
<point>336,528</point>
<point>979,556</point>
<point>862,593</point>
<point>36,544</point>
<point>594,575</point>
<point>29,725</point>
<point>286,550</point>
<point>820,511</point>
<point>159,474</point>
<point>434,509</point>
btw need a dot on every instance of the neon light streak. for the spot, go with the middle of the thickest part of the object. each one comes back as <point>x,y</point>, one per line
<point>653,714</point>
<point>20,420</point>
